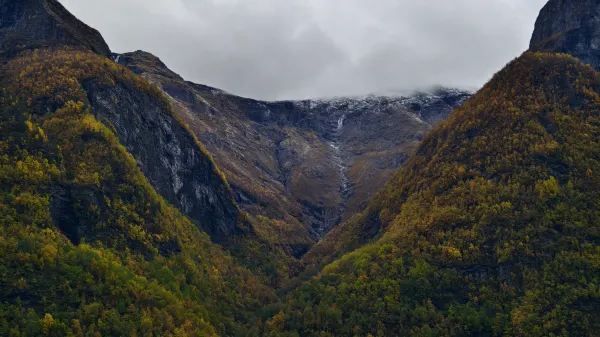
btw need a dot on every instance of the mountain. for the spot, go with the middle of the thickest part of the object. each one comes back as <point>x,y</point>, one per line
<point>166,152</point>
<point>31,24</point>
<point>171,158</point>
<point>93,163</point>
<point>115,218</point>
<point>135,203</point>
<point>569,26</point>
<point>87,242</point>
<point>490,229</point>
<point>309,163</point>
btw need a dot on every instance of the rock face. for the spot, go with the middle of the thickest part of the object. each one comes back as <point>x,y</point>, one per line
<point>168,155</point>
<point>569,26</point>
<point>311,163</point>
<point>30,24</point>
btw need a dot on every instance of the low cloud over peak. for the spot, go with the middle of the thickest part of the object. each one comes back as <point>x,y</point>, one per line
<point>274,49</point>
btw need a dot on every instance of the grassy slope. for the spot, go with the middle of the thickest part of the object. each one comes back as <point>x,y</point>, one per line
<point>492,228</point>
<point>139,267</point>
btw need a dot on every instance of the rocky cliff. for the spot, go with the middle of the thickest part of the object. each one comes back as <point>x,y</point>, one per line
<point>30,24</point>
<point>168,154</point>
<point>569,26</point>
<point>311,163</point>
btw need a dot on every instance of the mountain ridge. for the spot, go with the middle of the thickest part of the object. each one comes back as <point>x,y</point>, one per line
<point>31,24</point>
<point>301,146</point>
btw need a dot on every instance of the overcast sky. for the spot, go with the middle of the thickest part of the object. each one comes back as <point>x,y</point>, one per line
<point>287,49</point>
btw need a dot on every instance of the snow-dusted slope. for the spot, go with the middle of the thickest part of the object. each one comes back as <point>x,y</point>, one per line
<point>371,136</point>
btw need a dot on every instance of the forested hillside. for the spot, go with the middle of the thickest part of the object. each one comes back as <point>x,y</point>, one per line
<point>88,248</point>
<point>491,229</point>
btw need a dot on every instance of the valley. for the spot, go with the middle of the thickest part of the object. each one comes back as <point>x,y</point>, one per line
<point>309,163</point>
<point>136,203</point>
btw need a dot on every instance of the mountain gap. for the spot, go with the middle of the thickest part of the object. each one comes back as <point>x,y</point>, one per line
<point>136,203</point>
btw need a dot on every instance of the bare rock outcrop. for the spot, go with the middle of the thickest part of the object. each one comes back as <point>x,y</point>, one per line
<point>569,26</point>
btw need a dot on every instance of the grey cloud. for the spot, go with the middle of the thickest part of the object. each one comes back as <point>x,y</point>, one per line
<point>275,49</point>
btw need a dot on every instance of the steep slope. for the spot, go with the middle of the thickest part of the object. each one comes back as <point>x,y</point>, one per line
<point>492,228</point>
<point>30,24</point>
<point>569,26</point>
<point>167,153</point>
<point>89,152</point>
<point>171,158</point>
<point>308,163</point>
<point>87,244</point>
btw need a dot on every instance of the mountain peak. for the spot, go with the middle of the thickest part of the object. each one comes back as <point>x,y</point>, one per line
<point>31,24</point>
<point>569,26</point>
<point>141,62</point>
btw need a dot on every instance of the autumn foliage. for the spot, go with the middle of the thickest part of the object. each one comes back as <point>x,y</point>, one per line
<point>87,247</point>
<point>491,229</point>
